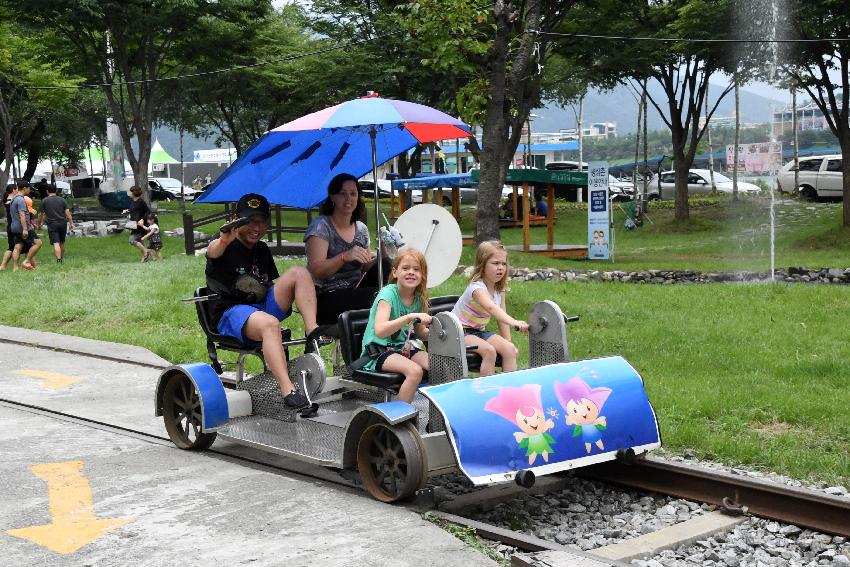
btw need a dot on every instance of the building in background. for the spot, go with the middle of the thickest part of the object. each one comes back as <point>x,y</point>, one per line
<point>809,117</point>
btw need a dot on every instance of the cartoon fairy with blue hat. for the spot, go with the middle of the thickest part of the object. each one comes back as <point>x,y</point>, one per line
<point>583,405</point>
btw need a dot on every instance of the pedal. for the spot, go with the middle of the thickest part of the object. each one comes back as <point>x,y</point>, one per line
<point>266,398</point>
<point>311,411</point>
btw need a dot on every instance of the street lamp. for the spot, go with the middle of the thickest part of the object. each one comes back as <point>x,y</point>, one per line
<point>527,160</point>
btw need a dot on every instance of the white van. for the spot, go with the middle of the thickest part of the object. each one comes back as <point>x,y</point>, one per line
<point>820,177</point>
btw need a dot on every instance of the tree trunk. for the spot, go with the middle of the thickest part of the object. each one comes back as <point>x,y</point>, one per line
<point>796,140</point>
<point>737,139</point>
<point>637,146</point>
<point>845,171</point>
<point>495,132</point>
<point>646,175</point>
<point>708,141</point>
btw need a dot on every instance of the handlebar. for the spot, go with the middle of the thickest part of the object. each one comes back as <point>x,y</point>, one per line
<point>200,298</point>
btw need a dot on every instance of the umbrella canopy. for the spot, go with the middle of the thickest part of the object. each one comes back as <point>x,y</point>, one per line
<point>293,163</point>
<point>450,180</point>
<point>159,155</point>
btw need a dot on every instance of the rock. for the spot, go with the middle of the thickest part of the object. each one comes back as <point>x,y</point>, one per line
<point>790,530</point>
<point>835,490</point>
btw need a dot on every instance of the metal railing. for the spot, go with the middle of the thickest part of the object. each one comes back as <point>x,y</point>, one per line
<point>274,236</point>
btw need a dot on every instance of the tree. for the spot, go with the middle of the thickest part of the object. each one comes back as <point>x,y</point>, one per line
<point>502,47</point>
<point>382,58</point>
<point>681,68</point>
<point>273,80</point>
<point>822,69</point>
<point>24,66</point>
<point>130,46</point>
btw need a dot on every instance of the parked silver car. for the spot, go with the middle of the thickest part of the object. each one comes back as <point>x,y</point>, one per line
<point>820,177</point>
<point>699,183</point>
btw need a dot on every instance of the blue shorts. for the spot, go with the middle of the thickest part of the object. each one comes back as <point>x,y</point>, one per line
<point>480,333</point>
<point>233,320</point>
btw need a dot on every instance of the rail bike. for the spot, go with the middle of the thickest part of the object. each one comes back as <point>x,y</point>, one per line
<point>553,416</point>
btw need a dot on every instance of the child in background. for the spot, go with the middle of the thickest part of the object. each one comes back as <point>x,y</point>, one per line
<point>399,311</point>
<point>485,298</point>
<point>152,226</point>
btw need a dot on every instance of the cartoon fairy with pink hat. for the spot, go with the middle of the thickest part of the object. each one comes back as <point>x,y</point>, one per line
<point>522,406</point>
<point>583,404</point>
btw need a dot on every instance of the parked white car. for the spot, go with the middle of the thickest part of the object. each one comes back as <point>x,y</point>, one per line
<point>699,183</point>
<point>171,187</point>
<point>819,177</point>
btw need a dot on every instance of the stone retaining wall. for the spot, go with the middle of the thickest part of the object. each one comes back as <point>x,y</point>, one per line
<point>669,277</point>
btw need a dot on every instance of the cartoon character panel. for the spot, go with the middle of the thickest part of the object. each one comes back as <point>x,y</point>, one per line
<point>546,419</point>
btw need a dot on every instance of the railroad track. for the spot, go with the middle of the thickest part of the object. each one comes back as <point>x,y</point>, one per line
<point>732,494</point>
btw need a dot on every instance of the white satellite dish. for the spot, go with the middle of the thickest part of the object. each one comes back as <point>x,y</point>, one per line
<point>432,230</point>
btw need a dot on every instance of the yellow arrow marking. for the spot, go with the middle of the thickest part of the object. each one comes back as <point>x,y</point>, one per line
<point>74,523</point>
<point>51,379</point>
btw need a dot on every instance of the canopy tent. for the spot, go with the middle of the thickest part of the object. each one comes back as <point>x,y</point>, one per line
<point>453,180</point>
<point>159,155</point>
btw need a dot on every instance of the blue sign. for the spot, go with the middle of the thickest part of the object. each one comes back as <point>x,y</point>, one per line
<point>598,222</point>
<point>546,419</point>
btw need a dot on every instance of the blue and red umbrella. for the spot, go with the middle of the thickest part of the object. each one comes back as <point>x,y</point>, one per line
<point>293,163</point>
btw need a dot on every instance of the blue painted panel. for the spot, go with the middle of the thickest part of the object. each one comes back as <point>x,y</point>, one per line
<point>394,412</point>
<point>213,399</point>
<point>545,419</point>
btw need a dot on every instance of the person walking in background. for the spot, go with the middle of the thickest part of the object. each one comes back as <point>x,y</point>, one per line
<point>153,236</point>
<point>138,211</point>
<point>55,210</point>
<point>196,183</point>
<point>11,193</point>
<point>20,220</point>
<point>207,180</point>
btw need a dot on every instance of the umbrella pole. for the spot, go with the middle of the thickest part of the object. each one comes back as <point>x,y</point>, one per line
<point>372,135</point>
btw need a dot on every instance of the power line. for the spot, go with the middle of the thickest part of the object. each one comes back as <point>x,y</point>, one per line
<point>225,70</point>
<point>685,39</point>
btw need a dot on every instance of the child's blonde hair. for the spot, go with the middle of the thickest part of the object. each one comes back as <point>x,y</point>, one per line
<point>422,288</point>
<point>484,252</point>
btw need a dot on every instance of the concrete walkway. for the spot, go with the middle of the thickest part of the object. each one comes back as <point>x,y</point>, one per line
<point>77,495</point>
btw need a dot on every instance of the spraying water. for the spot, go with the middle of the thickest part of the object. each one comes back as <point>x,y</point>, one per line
<point>762,18</point>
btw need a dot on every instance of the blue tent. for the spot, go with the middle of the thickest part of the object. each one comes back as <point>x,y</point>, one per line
<point>452,180</point>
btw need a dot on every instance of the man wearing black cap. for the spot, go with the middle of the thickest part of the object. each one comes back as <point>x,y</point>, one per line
<point>251,305</point>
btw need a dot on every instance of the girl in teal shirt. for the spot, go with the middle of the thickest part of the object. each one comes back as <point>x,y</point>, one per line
<point>393,324</point>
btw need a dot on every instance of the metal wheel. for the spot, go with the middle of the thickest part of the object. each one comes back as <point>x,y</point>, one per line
<point>181,412</point>
<point>391,461</point>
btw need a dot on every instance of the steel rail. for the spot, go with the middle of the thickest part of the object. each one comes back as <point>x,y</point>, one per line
<point>732,493</point>
<point>300,469</point>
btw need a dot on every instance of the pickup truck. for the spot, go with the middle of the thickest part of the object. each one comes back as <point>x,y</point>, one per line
<point>820,177</point>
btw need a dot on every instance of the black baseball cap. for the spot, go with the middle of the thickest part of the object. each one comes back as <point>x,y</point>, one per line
<point>251,204</point>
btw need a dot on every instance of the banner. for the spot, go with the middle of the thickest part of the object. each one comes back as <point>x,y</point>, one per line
<point>546,420</point>
<point>598,211</point>
<point>762,158</point>
<point>216,155</point>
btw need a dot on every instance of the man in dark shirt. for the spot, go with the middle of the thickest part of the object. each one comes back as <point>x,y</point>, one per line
<point>251,305</point>
<point>23,233</point>
<point>55,209</point>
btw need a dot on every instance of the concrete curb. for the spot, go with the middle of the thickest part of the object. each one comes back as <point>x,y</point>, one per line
<point>118,352</point>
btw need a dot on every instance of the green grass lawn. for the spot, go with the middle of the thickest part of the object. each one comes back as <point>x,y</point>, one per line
<point>745,374</point>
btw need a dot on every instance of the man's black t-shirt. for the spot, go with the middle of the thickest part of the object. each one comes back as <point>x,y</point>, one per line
<point>237,260</point>
<point>54,208</point>
<point>138,210</point>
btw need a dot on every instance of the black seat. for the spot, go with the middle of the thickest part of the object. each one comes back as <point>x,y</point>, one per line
<point>216,341</point>
<point>352,325</point>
